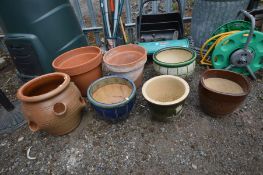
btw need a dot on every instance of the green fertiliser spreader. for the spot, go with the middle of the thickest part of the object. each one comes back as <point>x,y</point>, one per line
<point>158,31</point>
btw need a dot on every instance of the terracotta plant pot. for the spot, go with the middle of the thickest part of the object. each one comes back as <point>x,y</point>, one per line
<point>221,92</point>
<point>166,95</point>
<point>83,65</point>
<point>51,103</point>
<point>128,61</point>
<point>112,97</point>
<point>177,61</point>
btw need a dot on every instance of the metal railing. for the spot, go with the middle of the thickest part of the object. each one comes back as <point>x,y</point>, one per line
<point>96,30</point>
<point>129,23</point>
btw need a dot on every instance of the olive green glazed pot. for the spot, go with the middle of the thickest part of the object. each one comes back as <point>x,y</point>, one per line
<point>166,95</point>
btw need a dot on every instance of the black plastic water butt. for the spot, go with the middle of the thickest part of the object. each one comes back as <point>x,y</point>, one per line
<point>37,31</point>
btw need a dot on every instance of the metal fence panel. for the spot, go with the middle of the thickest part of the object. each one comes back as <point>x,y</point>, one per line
<point>129,24</point>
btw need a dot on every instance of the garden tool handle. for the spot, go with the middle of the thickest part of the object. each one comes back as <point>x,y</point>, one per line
<point>178,1</point>
<point>251,32</point>
<point>144,2</point>
<point>112,6</point>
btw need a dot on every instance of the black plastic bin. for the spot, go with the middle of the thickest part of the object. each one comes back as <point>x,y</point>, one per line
<point>37,31</point>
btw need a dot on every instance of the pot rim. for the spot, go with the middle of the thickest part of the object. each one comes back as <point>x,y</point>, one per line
<point>182,98</point>
<point>110,106</point>
<point>77,69</point>
<point>144,55</point>
<point>172,65</point>
<point>224,93</point>
<point>59,89</point>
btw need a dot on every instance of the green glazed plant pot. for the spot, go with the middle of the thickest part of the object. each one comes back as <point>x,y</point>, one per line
<point>165,113</point>
<point>178,61</point>
<point>166,95</point>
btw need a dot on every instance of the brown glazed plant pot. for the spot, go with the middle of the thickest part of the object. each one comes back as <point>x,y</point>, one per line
<point>222,99</point>
<point>126,60</point>
<point>83,65</point>
<point>51,103</point>
<point>166,95</point>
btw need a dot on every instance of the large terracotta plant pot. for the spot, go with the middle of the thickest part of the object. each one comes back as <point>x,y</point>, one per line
<point>177,61</point>
<point>221,92</point>
<point>83,65</point>
<point>128,61</point>
<point>166,95</point>
<point>51,103</point>
<point>112,97</point>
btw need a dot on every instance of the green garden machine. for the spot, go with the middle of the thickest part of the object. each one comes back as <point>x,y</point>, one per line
<point>157,31</point>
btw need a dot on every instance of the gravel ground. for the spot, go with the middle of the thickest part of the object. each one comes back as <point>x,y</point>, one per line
<point>194,143</point>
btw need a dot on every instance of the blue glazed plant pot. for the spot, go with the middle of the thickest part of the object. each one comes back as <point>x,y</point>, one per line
<point>112,97</point>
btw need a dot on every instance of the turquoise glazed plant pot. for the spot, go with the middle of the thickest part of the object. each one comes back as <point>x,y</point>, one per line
<point>178,61</point>
<point>112,97</point>
<point>166,95</point>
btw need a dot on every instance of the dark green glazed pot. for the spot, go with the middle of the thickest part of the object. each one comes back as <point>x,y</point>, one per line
<point>165,113</point>
<point>166,95</point>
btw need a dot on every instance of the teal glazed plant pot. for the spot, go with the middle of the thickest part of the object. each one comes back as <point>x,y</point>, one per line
<point>112,97</point>
<point>178,61</point>
<point>166,95</point>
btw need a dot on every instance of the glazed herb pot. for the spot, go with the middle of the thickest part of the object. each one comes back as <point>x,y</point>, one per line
<point>83,65</point>
<point>51,103</point>
<point>126,60</point>
<point>166,95</point>
<point>221,91</point>
<point>179,61</point>
<point>112,97</point>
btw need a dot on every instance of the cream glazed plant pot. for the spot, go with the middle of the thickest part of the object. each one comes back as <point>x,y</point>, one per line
<point>166,95</point>
<point>178,61</point>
